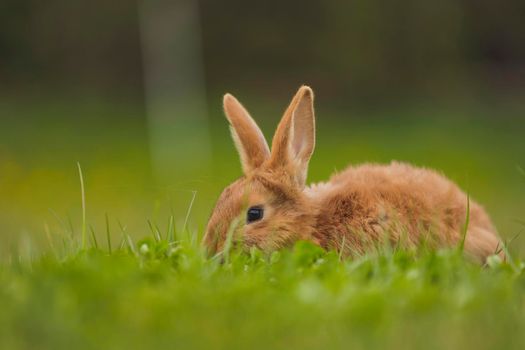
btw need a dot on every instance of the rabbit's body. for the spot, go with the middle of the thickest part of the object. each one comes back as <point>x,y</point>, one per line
<point>408,206</point>
<point>270,207</point>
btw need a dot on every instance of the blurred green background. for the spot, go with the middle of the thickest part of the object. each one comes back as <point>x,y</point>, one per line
<point>132,91</point>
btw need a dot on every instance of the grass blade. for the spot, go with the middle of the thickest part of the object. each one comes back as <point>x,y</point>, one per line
<point>50,239</point>
<point>154,231</point>
<point>93,238</point>
<point>131,245</point>
<point>170,236</point>
<point>188,212</point>
<point>228,244</point>
<point>342,249</point>
<point>108,234</point>
<point>83,193</point>
<point>465,227</point>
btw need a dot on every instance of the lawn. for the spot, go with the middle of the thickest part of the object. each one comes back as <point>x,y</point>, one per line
<point>165,294</point>
<point>141,280</point>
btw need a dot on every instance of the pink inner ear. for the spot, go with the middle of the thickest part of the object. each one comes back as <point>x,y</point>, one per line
<point>303,124</point>
<point>298,145</point>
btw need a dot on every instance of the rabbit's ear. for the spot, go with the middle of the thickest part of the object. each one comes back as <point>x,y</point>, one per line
<point>294,140</point>
<point>247,136</point>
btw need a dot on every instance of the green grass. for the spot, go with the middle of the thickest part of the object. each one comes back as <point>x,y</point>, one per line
<point>165,294</point>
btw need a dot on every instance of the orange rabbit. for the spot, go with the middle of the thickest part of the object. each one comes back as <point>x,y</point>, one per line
<point>271,207</point>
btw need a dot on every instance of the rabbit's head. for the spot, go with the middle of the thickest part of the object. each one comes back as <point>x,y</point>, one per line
<point>267,207</point>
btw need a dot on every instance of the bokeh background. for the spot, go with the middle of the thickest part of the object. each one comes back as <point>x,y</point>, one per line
<point>132,90</point>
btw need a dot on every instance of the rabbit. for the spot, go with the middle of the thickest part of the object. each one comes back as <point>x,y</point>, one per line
<point>271,207</point>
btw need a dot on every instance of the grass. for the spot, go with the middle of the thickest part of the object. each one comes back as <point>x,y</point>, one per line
<point>76,270</point>
<point>164,293</point>
<point>83,193</point>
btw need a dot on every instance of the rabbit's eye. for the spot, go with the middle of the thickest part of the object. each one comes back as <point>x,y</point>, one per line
<point>254,214</point>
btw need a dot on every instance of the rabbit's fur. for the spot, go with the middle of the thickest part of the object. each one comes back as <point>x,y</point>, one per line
<point>355,210</point>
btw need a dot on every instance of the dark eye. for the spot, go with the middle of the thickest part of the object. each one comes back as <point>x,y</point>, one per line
<point>254,214</point>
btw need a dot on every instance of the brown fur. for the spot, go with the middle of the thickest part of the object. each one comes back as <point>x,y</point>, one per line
<point>354,211</point>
